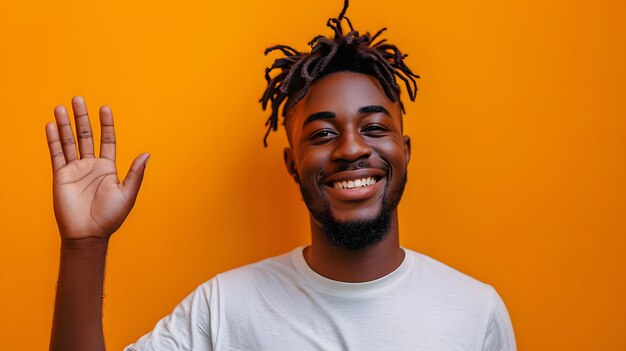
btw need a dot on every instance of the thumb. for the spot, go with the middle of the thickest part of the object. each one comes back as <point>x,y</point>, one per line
<point>132,182</point>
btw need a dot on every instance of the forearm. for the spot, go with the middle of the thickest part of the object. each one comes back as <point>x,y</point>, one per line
<point>77,323</point>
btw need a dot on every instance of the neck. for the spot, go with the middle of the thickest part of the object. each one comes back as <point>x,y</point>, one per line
<point>354,266</point>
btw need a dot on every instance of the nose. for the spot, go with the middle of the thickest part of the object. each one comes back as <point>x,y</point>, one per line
<point>351,147</point>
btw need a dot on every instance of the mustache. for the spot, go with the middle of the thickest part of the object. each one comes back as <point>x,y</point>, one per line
<point>353,166</point>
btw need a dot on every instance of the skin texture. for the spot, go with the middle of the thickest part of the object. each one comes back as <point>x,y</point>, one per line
<point>90,204</point>
<point>335,136</point>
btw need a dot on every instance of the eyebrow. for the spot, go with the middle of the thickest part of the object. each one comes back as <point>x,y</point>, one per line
<point>319,115</point>
<point>373,109</point>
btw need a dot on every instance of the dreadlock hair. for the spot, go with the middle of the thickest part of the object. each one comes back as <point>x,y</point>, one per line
<point>349,52</point>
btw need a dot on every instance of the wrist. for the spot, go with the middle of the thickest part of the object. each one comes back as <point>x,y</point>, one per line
<point>84,244</point>
<point>83,259</point>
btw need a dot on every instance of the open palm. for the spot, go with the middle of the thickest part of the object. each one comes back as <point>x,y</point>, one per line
<point>89,199</point>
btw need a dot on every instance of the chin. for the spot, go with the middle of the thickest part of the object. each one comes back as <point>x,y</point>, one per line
<point>356,234</point>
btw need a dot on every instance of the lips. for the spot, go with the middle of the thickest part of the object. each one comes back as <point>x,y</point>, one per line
<point>355,185</point>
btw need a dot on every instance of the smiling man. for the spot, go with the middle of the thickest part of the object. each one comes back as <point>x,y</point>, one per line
<point>349,157</point>
<point>353,288</point>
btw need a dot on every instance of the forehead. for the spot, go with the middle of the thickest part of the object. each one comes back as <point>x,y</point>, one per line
<point>343,90</point>
<point>341,93</point>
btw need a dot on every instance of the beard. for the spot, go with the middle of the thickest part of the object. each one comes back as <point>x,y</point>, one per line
<point>356,234</point>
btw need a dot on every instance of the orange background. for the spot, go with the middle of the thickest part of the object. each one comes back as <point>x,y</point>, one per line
<point>517,174</point>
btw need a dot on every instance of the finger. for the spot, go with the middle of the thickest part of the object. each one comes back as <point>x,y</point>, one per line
<point>54,145</point>
<point>107,139</point>
<point>132,182</point>
<point>66,135</point>
<point>83,127</point>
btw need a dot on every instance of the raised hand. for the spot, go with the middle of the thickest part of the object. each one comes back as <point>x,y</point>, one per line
<point>89,199</point>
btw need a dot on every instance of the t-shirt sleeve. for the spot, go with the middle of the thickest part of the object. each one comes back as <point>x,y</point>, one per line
<point>499,335</point>
<point>188,327</point>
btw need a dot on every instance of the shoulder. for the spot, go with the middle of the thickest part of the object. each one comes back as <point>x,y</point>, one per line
<point>266,272</point>
<point>444,283</point>
<point>462,292</point>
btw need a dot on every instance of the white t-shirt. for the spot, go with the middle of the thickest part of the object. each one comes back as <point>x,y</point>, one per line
<point>282,304</point>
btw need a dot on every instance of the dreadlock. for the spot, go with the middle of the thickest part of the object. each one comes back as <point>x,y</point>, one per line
<point>349,52</point>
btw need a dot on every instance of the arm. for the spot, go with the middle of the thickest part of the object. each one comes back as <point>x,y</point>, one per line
<point>90,204</point>
<point>77,321</point>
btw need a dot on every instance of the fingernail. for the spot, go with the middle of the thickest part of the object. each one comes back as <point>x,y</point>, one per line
<point>146,162</point>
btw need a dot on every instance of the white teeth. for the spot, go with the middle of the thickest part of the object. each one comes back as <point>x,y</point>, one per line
<point>356,183</point>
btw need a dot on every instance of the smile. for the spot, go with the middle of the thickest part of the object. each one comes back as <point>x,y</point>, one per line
<point>355,183</point>
<point>358,185</point>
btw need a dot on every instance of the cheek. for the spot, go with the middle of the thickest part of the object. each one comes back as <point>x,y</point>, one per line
<point>310,166</point>
<point>393,152</point>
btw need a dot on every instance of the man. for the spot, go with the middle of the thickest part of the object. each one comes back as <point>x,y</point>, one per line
<point>353,288</point>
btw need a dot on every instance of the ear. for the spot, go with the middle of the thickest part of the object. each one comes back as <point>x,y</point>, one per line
<point>290,163</point>
<point>407,150</point>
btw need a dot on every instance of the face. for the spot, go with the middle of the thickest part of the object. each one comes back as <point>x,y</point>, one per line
<point>347,152</point>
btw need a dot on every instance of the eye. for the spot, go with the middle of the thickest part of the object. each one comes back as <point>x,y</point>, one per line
<point>374,129</point>
<point>323,135</point>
